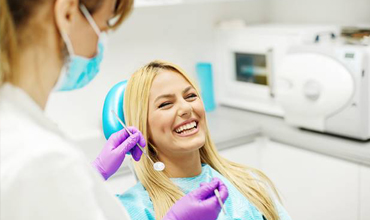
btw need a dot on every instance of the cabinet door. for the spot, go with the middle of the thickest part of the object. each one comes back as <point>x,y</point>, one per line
<point>120,183</point>
<point>246,154</point>
<point>312,186</point>
<point>365,193</point>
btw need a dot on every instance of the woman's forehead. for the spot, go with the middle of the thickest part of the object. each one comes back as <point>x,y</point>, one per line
<point>168,81</point>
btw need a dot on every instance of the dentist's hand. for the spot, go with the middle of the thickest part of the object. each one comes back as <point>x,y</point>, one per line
<point>201,203</point>
<point>114,151</point>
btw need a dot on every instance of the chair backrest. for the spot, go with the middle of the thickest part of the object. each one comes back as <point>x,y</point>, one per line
<point>113,101</point>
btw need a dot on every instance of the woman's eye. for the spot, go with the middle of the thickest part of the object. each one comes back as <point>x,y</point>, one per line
<point>192,95</point>
<point>164,104</point>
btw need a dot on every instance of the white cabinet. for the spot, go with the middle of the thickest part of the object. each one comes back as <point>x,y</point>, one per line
<point>246,154</point>
<point>364,193</point>
<point>312,186</point>
<point>120,183</point>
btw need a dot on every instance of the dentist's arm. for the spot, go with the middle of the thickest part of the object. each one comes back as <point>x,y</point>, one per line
<point>200,203</point>
<point>114,151</point>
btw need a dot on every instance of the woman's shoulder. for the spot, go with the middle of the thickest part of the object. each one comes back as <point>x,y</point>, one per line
<point>137,202</point>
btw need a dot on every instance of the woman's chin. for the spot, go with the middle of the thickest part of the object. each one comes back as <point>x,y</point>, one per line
<point>191,145</point>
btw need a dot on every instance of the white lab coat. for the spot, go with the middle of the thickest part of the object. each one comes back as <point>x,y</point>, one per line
<point>43,176</point>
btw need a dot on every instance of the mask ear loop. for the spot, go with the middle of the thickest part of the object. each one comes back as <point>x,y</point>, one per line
<point>71,53</point>
<point>90,19</point>
<point>68,43</point>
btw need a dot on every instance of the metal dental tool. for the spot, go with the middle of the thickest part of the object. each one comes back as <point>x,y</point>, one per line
<point>158,166</point>
<point>217,193</point>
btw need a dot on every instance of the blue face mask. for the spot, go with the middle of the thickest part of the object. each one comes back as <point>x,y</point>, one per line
<point>79,70</point>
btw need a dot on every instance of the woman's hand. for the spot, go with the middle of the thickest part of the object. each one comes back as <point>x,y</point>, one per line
<point>201,203</point>
<point>114,151</point>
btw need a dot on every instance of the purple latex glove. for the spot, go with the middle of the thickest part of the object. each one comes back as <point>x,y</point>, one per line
<point>114,151</point>
<point>201,203</point>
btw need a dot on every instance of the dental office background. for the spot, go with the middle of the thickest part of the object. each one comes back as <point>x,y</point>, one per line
<point>314,183</point>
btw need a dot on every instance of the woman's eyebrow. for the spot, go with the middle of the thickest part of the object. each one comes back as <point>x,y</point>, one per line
<point>187,89</point>
<point>164,96</point>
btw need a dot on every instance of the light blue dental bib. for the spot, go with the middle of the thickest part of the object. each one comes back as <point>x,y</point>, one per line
<point>138,204</point>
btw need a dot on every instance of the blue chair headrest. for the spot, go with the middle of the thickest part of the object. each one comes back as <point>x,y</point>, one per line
<point>113,101</point>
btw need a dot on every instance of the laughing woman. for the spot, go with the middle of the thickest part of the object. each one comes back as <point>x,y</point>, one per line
<point>164,103</point>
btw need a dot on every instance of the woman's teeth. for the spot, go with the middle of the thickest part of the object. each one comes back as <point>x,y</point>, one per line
<point>187,127</point>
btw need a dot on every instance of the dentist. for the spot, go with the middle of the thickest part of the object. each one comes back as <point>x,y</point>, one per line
<point>57,45</point>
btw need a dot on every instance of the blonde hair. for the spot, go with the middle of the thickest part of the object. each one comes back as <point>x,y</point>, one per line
<point>162,191</point>
<point>8,45</point>
<point>12,23</point>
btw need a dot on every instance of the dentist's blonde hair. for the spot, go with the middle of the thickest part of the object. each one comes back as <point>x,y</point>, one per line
<point>252,183</point>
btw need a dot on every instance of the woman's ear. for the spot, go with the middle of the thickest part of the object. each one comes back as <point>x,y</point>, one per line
<point>65,12</point>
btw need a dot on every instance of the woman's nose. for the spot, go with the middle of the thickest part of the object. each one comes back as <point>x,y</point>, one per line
<point>185,109</point>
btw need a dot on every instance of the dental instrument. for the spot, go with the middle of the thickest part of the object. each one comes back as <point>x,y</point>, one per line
<point>158,166</point>
<point>217,193</point>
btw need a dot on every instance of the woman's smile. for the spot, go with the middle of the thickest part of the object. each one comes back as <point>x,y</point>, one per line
<point>187,128</point>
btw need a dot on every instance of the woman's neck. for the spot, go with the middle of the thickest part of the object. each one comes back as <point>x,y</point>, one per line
<point>37,73</point>
<point>184,165</point>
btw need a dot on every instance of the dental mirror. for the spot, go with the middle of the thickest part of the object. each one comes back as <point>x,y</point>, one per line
<point>159,166</point>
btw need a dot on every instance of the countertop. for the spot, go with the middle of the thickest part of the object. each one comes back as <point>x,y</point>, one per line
<point>278,130</point>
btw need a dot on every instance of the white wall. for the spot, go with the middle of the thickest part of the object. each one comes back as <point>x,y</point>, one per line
<point>182,34</point>
<point>342,12</point>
